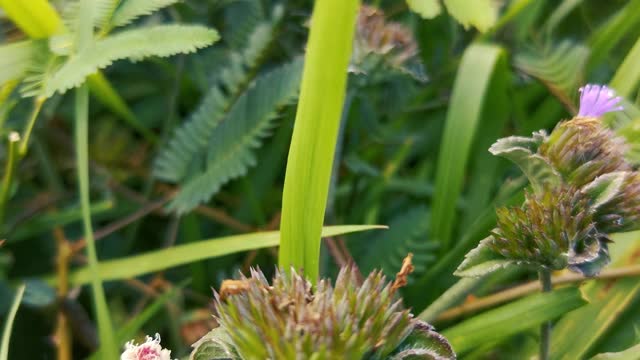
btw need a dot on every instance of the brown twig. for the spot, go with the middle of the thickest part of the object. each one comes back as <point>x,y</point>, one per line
<point>530,288</point>
<point>119,224</point>
<point>63,332</point>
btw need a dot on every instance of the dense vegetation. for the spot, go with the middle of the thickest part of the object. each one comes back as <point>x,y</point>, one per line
<point>144,146</point>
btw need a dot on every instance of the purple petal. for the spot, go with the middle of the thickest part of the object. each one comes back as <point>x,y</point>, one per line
<point>597,100</point>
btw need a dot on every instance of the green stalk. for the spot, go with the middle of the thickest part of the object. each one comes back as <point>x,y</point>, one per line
<point>105,330</point>
<point>315,133</point>
<point>545,328</point>
<point>9,168</point>
<point>37,106</point>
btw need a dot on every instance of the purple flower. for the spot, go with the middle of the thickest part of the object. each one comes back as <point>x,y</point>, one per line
<point>597,100</point>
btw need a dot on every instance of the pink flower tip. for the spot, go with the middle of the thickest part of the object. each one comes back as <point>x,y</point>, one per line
<point>597,100</point>
<point>149,350</point>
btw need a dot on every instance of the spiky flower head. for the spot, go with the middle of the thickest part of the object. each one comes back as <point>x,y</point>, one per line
<point>148,350</point>
<point>291,320</point>
<point>553,230</point>
<point>597,100</point>
<point>622,212</point>
<point>582,149</point>
<point>381,42</point>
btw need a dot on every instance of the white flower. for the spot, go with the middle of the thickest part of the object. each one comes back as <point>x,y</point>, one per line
<point>149,350</point>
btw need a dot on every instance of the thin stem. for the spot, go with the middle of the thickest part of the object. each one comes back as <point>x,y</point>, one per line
<point>82,157</point>
<point>62,332</point>
<point>5,188</point>
<point>545,328</point>
<point>526,289</point>
<point>37,106</point>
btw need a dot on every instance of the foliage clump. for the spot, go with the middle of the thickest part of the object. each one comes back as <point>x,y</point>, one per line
<point>584,190</point>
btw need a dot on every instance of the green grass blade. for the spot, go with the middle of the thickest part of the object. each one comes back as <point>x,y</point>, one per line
<point>109,97</point>
<point>626,78</point>
<point>105,329</point>
<point>129,330</point>
<point>470,91</point>
<point>513,318</point>
<point>184,254</point>
<point>37,18</point>
<point>604,39</point>
<point>315,133</point>
<point>8,325</point>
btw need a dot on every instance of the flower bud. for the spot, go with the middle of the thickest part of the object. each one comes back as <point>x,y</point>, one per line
<point>553,230</point>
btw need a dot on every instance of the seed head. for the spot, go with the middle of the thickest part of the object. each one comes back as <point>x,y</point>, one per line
<point>582,149</point>
<point>291,320</point>
<point>553,230</point>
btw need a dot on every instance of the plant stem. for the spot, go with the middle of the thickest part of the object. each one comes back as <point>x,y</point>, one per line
<point>37,106</point>
<point>5,188</point>
<point>82,158</point>
<point>526,289</point>
<point>545,328</point>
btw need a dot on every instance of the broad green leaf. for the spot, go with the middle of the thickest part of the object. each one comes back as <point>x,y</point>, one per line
<point>15,60</point>
<point>510,319</point>
<point>626,78</point>
<point>470,90</point>
<point>184,254</point>
<point>481,14</point>
<point>160,40</point>
<point>604,188</point>
<point>427,9</point>
<point>37,18</point>
<point>522,151</point>
<point>315,133</point>
<point>481,261</point>
<point>632,353</point>
<point>8,324</point>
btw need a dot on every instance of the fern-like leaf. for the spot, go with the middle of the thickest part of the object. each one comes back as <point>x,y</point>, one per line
<point>231,147</point>
<point>163,40</point>
<point>407,234</point>
<point>130,10</point>
<point>15,60</point>
<point>559,68</point>
<point>190,140</point>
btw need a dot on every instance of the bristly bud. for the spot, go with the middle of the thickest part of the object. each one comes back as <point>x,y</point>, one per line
<point>393,42</point>
<point>553,230</point>
<point>597,100</point>
<point>582,149</point>
<point>622,212</point>
<point>291,320</point>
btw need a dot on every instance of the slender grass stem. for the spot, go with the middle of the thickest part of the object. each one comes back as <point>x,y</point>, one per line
<point>24,145</point>
<point>82,158</point>
<point>545,328</point>
<point>9,168</point>
<point>526,289</point>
